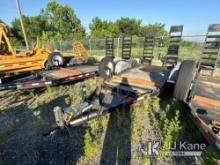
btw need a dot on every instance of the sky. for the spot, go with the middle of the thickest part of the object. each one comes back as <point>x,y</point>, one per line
<point>195,15</point>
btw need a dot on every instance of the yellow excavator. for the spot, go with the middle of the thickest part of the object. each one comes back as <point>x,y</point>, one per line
<point>41,57</point>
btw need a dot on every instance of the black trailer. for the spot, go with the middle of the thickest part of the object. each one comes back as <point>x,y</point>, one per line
<point>42,79</point>
<point>125,82</point>
<point>133,83</point>
<point>197,86</point>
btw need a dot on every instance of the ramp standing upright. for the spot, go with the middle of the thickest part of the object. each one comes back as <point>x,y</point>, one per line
<point>126,47</point>
<point>211,49</point>
<point>149,43</point>
<point>110,46</point>
<point>175,36</point>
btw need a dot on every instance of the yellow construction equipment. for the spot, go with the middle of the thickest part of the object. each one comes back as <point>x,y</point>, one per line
<point>12,60</point>
<point>80,51</point>
<point>16,61</point>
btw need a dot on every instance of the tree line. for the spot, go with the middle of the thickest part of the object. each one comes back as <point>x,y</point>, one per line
<point>59,22</point>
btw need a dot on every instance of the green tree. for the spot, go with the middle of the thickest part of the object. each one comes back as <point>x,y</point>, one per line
<point>34,26</point>
<point>157,28</point>
<point>129,26</point>
<point>62,19</point>
<point>55,22</point>
<point>101,28</point>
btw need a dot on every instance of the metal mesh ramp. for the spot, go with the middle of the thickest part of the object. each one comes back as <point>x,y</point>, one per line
<point>126,47</point>
<point>175,35</point>
<point>110,46</point>
<point>211,49</point>
<point>149,43</point>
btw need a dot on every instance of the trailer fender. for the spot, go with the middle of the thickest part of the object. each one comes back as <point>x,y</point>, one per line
<point>173,74</point>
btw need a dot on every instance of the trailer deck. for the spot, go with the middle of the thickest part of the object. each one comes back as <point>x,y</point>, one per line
<point>143,76</point>
<point>50,77</point>
<point>205,107</point>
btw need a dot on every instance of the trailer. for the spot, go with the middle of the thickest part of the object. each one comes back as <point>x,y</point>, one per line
<point>197,86</point>
<point>125,82</point>
<point>42,79</point>
<point>130,84</point>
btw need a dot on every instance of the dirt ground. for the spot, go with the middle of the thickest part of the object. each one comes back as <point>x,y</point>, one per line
<point>114,139</point>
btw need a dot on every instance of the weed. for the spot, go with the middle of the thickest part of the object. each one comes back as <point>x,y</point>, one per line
<point>210,156</point>
<point>156,104</point>
<point>146,160</point>
<point>91,146</point>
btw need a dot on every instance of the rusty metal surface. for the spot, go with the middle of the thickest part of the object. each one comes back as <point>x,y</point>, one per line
<point>206,100</point>
<point>208,87</point>
<point>86,68</point>
<point>73,71</point>
<point>148,73</point>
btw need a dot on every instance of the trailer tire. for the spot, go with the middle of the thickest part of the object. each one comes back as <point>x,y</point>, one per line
<point>106,67</point>
<point>55,59</point>
<point>185,76</point>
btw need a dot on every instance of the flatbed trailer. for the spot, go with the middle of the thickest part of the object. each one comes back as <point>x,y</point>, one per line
<point>46,78</point>
<point>201,93</point>
<point>124,82</point>
<point>126,88</point>
<point>197,86</point>
<point>205,107</point>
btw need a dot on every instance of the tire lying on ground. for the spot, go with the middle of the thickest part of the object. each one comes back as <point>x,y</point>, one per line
<point>106,67</point>
<point>55,59</point>
<point>75,61</point>
<point>91,60</point>
<point>184,79</point>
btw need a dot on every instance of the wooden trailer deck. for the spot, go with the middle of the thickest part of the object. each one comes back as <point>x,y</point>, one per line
<point>207,96</point>
<point>205,107</point>
<point>143,76</point>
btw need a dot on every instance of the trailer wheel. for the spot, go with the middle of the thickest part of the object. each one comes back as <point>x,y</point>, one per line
<point>106,67</point>
<point>185,76</point>
<point>55,59</point>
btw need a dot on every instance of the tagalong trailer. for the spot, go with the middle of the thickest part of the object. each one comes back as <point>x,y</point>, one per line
<point>125,81</point>
<point>199,87</point>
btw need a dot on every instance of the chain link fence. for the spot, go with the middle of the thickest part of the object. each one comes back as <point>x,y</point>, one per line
<point>190,47</point>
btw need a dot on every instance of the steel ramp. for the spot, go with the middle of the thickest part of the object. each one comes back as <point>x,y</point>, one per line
<point>211,49</point>
<point>175,36</point>
<point>126,47</point>
<point>110,46</point>
<point>149,43</point>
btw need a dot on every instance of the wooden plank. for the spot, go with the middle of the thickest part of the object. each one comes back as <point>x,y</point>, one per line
<point>74,72</point>
<point>137,81</point>
<point>200,100</point>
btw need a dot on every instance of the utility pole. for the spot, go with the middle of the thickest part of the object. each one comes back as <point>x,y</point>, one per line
<point>22,25</point>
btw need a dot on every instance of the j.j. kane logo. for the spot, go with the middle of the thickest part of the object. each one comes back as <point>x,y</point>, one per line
<point>182,148</point>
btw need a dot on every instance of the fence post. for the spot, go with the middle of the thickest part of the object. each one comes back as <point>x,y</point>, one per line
<point>90,47</point>
<point>118,45</point>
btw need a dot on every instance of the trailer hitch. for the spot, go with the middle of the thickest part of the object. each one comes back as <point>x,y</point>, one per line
<point>73,114</point>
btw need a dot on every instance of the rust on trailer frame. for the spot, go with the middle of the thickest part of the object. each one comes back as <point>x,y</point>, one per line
<point>137,81</point>
<point>70,71</point>
<point>207,130</point>
<point>206,101</point>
